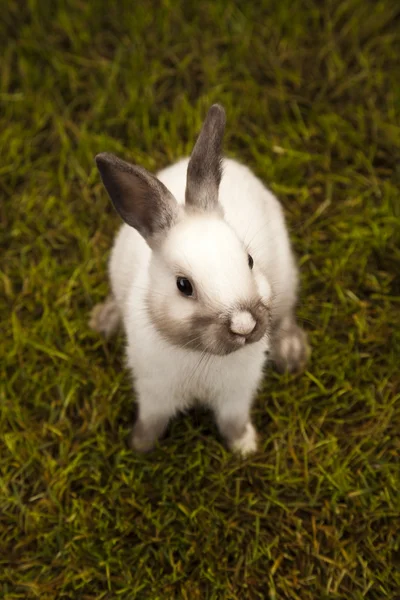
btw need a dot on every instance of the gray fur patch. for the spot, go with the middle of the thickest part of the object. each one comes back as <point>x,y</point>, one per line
<point>208,330</point>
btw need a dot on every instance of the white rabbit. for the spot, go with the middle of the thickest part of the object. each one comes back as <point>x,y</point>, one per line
<point>204,280</point>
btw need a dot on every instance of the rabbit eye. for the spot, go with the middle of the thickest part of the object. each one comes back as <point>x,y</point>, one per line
<point>250,261</point>
<point>184,286</point>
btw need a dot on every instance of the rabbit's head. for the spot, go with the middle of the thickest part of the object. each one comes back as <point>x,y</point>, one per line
<point>205,292</point>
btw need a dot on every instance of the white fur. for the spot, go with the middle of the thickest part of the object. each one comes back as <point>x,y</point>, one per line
<point>169,378</point>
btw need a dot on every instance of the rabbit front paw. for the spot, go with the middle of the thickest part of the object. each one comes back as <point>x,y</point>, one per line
<point>247,443</point>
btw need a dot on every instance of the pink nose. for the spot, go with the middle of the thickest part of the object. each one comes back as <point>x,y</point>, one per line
<point>242,323</point>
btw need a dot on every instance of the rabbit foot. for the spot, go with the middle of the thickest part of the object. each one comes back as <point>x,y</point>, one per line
<point>146,434</point>
<point>247,443</point>
<point>290,350</point>
<point>105,317</point>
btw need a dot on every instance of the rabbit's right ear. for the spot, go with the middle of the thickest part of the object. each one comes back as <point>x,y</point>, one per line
<point>140,198</point>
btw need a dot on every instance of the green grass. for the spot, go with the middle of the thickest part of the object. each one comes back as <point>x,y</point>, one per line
<point>312,93</point>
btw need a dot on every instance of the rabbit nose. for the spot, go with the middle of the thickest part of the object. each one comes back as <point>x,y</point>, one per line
<point>242,323</point>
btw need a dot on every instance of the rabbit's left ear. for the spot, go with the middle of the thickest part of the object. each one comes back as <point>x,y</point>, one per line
<point>205,166</point>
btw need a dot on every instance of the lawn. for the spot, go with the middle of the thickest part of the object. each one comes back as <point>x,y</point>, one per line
<point>312,94</point>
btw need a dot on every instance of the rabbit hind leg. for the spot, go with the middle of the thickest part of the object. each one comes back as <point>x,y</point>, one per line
<point>105,317</point>
<point>290,350</point>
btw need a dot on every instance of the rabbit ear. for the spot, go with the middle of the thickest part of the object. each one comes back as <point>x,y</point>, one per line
<point>205,166</point>
<point>140,198</point>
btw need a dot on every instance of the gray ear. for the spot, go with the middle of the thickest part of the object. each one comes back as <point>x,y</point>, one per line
<point>205,166</point>
<point>140,198</point>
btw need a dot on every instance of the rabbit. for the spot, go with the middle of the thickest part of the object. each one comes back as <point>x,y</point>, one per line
<point>204,281</point>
